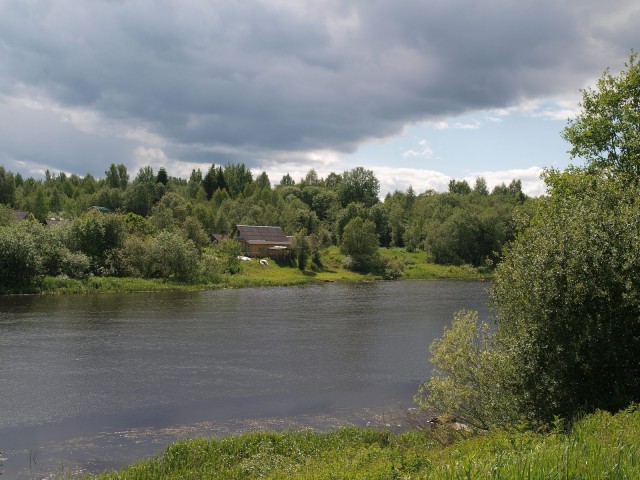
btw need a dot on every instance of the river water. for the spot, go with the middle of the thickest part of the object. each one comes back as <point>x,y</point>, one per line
<point>89,382</point>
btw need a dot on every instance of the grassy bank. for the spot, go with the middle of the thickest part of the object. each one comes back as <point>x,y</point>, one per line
<point>413,265</point>
<point>600,446</point>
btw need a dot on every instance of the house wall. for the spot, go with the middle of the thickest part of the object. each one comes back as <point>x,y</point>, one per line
<point>259,251</point>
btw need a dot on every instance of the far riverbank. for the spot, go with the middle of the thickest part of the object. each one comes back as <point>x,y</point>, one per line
<point>411,265</point>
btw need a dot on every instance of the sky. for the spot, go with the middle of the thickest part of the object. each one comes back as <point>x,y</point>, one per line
<point>419,91</point>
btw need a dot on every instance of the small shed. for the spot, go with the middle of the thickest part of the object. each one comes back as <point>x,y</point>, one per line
<point>21,214</point>
<point>217,237</point>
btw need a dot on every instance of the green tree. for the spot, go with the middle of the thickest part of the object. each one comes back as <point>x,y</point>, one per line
<point>162,176</point>
<point>360,243</point>
<point>7,187</point>
<point>567,298</point>
<point>173,255</point>
<point>262,182</point>
<point>117,176</point>
<point>20,263</point>
<point>6,215</point>
<point>606,132</point>
<point>287,180</point>
<point>237,177</point>
<point>359,185</point>
<point>145,175</point>
<point>95,234</point>
<point>228,251</point>
<point>139,198</point>
<point>210,182</point>
<point>301,248</point>
<point>567,295</point>
<point>39,204</point>
<point>468,378</point>
<point>459,187</point>
<point>193,230</point>
<point>480,186</point>
<point>195,180</point>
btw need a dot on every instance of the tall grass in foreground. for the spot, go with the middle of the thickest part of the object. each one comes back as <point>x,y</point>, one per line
<point>600,446</point>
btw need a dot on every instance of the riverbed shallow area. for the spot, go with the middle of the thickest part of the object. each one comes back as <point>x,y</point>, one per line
<point>94,382</point>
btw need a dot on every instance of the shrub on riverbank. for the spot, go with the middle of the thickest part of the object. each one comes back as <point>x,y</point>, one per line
<point>566,295</point>
<point>218,274</point>
<point>599,446</point>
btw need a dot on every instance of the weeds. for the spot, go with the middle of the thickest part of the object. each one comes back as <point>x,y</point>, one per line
<point>598,446</point>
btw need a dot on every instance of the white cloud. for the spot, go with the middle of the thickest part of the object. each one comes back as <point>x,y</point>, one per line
<point>421,180</point>
<point>147,156</point>
<point>424,151</point>
<point>467,126</point>
<point>532,185</point>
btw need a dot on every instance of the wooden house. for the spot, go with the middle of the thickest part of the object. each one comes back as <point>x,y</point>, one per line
<point>262,241</point>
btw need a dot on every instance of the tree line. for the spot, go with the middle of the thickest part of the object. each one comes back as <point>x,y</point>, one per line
<point>464,225</point>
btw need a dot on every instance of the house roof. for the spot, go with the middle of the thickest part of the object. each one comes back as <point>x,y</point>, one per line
<point>218,237</point>
<point>261,234</point>
<point>21,214</point>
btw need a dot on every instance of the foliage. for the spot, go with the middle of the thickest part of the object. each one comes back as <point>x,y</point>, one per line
<point>194,231</point>
<point>117,176</point>
<point>459,187</point>
<point>237,177</point>
<point>162,176</point>
<point>75,264</point>
<point>567,295</point>
<point>219,260</point>
<point>567,303</point>
<point>359,185</point>
<point>20,263</point>
<point>95,234</point>
<point>606,133</point>
<point>360,243</point>
<point>599,446</point>
<point>120,244</point>
<point>469,376</point>
<point>6,215</point>
<point>301,248</point>
<point>567,298</point>
<point>7,187</point>
<point>173,255</point>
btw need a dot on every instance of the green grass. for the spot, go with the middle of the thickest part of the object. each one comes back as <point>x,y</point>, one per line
<point>55,285</point>
<point>414,266</point>
<point>600,446</point>
<point>417,266</point>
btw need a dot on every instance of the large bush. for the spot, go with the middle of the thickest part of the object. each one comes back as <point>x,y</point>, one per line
<point>471,375</point>
<point>567,298</point>
<point>567,295</point>
<point>20,262</point>
<point>95,234</point>
<point>567,305</point>
<point>360,243</point>
<point>173,255</point>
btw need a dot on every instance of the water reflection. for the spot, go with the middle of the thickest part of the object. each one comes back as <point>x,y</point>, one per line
<point>83,364</point>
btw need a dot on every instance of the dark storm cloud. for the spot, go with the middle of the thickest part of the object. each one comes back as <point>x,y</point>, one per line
<point>297,76</point>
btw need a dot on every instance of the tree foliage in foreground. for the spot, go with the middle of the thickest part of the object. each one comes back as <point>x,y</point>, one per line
<point>567,304</point>
<point>567,298</point>
<point>567,295</point>
<point>606,133</point>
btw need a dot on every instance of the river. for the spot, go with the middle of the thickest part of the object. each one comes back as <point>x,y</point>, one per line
<point>90,382</point>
